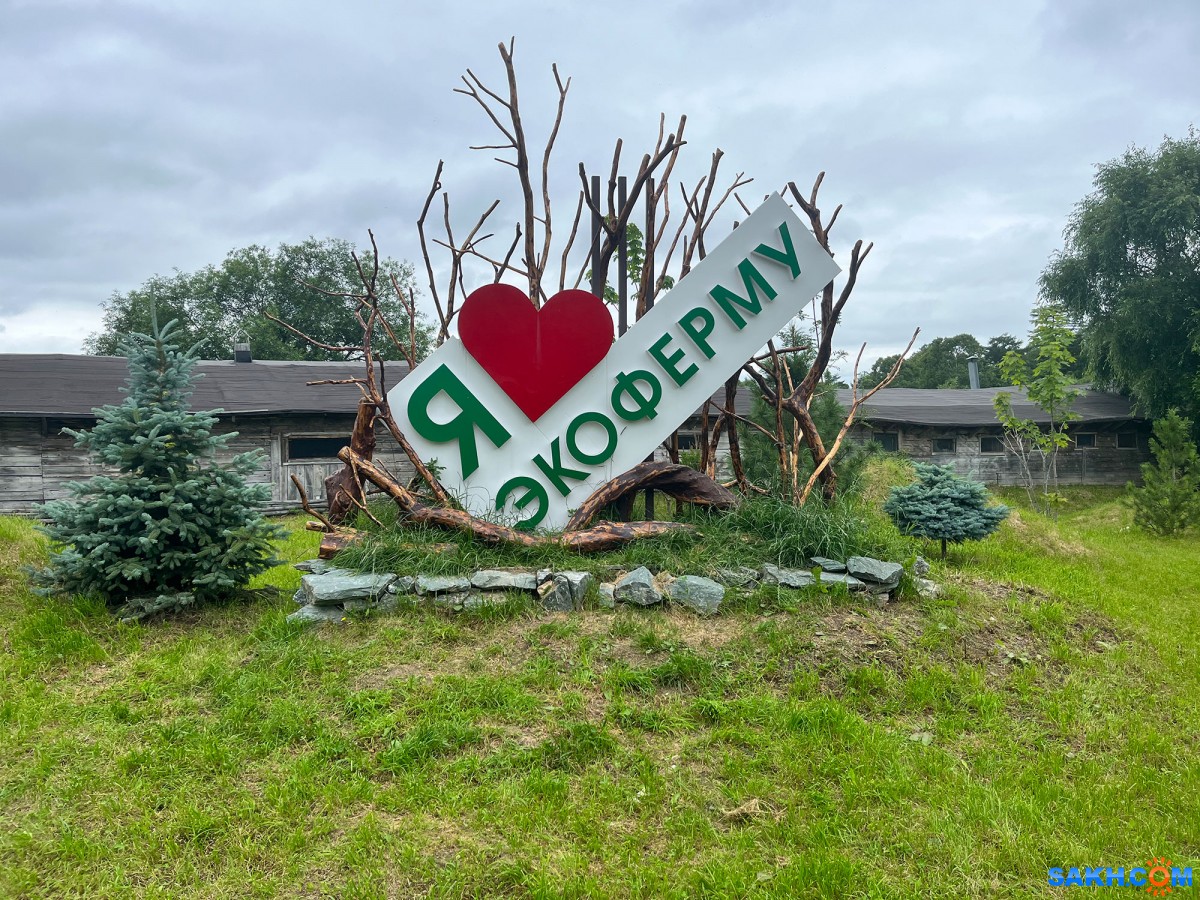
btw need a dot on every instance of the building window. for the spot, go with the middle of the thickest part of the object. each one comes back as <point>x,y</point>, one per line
<point>944,445</point>
<point>1085,441</point>
<point>1127,440</point>
<point>991,445</point>
<point>300,449</point>
<point>888,440</point>
<point>687,440</point>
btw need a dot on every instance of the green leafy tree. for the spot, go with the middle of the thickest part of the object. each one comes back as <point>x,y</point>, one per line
<point>1130,276</point>
<point>942,363</point>
<point>1048,385</point>
<point>217,304</point>
<point>942,507</point>
<point>172,526</point>
<point>635,259</point>
<point>1168,501</point>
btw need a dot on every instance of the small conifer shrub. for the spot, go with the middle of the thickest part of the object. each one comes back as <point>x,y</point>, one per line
<point>171,525</point>
<point>941,506</point>
<point>1168,501</point>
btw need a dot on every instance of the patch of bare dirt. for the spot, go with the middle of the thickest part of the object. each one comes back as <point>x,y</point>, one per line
<point>1003,639</point>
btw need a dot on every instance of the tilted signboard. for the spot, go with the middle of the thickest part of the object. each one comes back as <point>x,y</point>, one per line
<point>532,410</point>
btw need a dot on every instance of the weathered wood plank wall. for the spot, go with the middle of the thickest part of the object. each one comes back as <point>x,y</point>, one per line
<point>37,461</point>
<point>1103,464</point>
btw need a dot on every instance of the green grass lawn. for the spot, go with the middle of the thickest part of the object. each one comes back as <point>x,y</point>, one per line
<point>1044,711</point>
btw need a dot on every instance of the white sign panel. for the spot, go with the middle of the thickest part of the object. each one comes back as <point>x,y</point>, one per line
<point>502,466</point>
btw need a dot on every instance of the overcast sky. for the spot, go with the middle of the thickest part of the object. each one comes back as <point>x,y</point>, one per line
<point>141,137</point>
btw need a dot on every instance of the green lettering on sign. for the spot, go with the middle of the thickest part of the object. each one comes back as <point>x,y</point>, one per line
<point>533,492</point>
<point>699,333</point>
<point>670,364</point>
<point>787,256</point>
<point>556,471</point>
<point>462,427</point>
<point>644,406</point>
<point>728,300</point>
<point>610,433</point>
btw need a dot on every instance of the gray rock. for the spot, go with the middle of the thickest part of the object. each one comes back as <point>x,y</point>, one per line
<point>385,603</point>
<point>927,588</point>
<point>828,565</point>
<point>849,581</point>
<point>405,584</point>
<point>874,570</point>
<point>333,588</point>
<point>544,575</point>
<point>789,578</point>
<point>578,583</point>
<point>451,601</point>
<point>475,600</point>
<point>637,588</point>
<point>392,602</point>
<point>442,584</point>
<point>565,591</point>
<point>608,599</point>
<point>299,598</point>
<point>313,566</point>
<point>741,577</point>
<point>555,595</point>
<point>307,614</point>
<point>702,596</point>
<point>504,580</point>
<point>920,567</point>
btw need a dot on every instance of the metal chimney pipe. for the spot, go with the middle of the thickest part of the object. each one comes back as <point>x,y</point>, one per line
<point>973,371</point>
<point>241,349</point>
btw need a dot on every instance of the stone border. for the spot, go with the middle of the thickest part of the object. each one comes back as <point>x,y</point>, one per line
<point>328,593</point>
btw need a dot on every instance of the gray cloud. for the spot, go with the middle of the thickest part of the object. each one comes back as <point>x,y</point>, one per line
<point>138,137</point>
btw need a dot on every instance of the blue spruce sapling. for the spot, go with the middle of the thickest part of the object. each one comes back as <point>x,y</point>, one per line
<point>941,506</point>
<point>171,525</point>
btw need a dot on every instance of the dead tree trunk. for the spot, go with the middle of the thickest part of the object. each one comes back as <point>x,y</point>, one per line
<point>344,489</point>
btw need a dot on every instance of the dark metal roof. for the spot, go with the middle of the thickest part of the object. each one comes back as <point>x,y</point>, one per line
<point>59,384</point>
<point>56,384</point>
<point>914,406</point>
<point>741,403</point>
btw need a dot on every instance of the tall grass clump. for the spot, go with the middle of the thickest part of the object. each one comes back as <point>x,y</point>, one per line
<point>762,529</point>
<point>843,527</point>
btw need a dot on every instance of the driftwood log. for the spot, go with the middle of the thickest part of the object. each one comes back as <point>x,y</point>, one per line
<point>680,482</point>
<point>602,536</point>
<point>333,542</point>
<point>344,489</point>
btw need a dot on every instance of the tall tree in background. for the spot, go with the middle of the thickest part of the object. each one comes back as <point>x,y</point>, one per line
<point>1168,500</point>
<point>942,363</point>
<point>1130,276</point>
<point>217,304</point>
<point>1048,383</point>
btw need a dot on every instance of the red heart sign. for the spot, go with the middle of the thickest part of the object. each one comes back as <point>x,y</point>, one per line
<point>535,355</point>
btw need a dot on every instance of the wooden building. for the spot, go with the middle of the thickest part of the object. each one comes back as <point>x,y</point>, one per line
<point>959,427</point>
<point>300,428</point>
<point>270,405</point>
